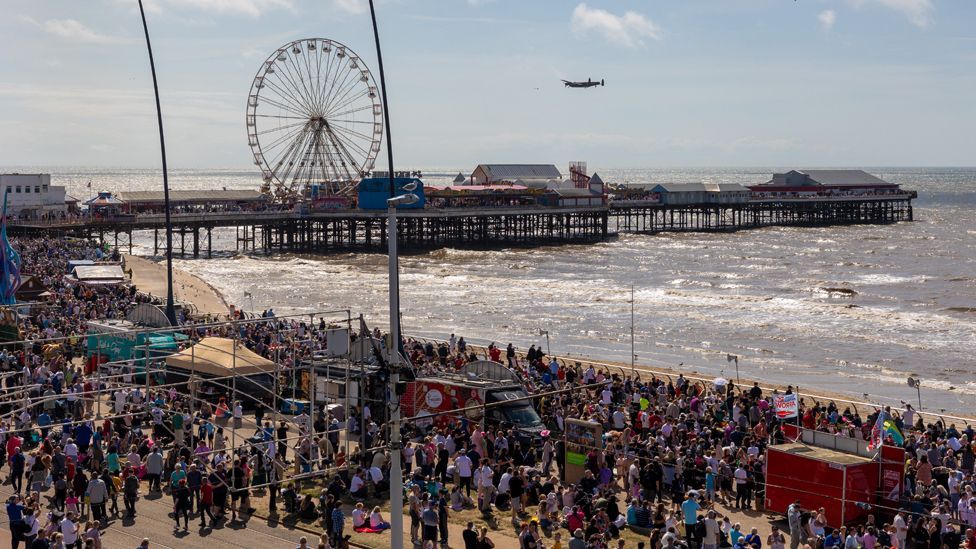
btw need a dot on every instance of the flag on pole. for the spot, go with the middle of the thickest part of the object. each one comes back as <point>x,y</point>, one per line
<point>9,263</point>
<point>891,430</point>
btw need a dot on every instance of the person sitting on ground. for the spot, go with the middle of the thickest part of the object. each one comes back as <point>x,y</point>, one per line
<point>308,511</point>
<point>358,516</point>
<point>376,521</point>
<point>458,500</point>
<point>357,487</point>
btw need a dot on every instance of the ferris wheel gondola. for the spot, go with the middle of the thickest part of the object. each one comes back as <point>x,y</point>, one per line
<point>314,117</point>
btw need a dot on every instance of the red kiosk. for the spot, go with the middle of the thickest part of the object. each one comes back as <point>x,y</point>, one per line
<point>843,475</point>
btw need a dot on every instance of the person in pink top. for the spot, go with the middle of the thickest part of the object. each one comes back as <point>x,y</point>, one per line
<point>869,540</point>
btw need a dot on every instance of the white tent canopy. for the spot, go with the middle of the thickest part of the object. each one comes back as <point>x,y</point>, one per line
<point>218,356</point>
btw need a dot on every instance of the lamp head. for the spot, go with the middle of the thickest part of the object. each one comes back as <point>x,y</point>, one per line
<point>402,200</point>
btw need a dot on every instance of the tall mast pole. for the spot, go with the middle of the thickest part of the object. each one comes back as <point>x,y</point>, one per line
<point>170,303</point>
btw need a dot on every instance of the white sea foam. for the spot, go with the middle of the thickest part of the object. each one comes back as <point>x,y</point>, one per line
<point>751,293</point>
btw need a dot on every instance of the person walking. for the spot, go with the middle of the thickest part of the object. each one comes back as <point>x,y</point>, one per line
<point>15,518</point>
<point>442,516</point>
<point>795,518</point>
<point>181,505</point>
<point>17,463</point>
<point>430,520</point>
<point>154,469</point>
<point>206,502</point>
<point>130,492</point>
<point>68,529</point>
<point>97,494</point>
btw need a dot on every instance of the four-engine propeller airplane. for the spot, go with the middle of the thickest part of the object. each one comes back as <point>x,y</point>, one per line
<point>588,84</point>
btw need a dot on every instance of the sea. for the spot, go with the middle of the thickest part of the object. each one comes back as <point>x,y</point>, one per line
<point>757,294</point>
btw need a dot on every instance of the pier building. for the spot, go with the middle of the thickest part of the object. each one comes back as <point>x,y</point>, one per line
<point>31,195</point>
<point>525,174</point>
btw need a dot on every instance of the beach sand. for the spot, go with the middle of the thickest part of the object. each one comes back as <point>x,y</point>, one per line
<point>149,277</point>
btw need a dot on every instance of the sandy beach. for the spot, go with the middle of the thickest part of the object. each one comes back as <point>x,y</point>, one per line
<point>150,277</point>
<point>208,299</point>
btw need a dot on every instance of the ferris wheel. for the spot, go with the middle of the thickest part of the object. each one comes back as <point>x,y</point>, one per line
<point>313,118</point>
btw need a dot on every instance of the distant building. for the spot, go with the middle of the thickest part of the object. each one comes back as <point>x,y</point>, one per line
<point>32,195</point>
<point>681,193</point>
<point>32,289</point>
<point>572,196</point>
<point>824,183</point>
<point>226,199</point>
<point>701,193</point>
<point>727,193</point>
<point>527,174</point>
<point>105,203</point>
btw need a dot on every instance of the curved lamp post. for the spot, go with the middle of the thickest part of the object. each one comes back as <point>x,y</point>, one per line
<point>170,303</point>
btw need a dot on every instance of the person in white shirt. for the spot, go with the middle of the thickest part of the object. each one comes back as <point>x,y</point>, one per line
<point>358,516</point>
<point>501,443</point>
<point>589,375</point>
<point>304,422</point>
<point>464,468</point>
<point>901,528</point>
<point>485,485</point>
<point>376,474</point>
<point>908,417</point>
<point>71,450</point>
<point>619,419</point>
<point>633,478</point>
<point>503,481</point>
<point>753,450</point>
<point>69,530</point>
<point>606,396</point>
<point>741,478</point>
<point>357,484</point>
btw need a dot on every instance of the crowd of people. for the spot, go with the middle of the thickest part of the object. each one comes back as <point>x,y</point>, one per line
<point>677,461</point>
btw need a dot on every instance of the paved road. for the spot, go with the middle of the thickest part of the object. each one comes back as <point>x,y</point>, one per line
<point>154,523</point>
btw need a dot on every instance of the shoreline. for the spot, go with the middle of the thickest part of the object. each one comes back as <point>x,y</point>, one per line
<point>818,395</point>
<point>149,277</point>
<point>816,392</point>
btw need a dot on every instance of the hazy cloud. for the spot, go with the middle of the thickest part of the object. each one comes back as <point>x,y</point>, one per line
<point>919,12</point>
<point>354,7</point>
<point>627,30</point>
<point>74,30</point>
<point>251,8</point>
<point>827,19</point>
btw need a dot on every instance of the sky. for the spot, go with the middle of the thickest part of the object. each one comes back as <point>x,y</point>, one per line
<point>688,83</point>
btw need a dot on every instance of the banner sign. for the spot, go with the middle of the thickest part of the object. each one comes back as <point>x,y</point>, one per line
<point>581,437</point>
<point>786,406</point>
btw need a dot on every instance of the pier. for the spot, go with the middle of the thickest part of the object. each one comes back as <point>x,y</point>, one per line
<point>649,218</point>
<point>357,230</point>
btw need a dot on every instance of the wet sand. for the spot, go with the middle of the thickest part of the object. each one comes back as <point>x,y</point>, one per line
<point>149,277</point>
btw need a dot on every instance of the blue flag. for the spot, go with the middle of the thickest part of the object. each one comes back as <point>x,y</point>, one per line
<point>9,263</point>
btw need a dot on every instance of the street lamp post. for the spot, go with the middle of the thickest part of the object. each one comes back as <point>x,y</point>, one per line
<point>633,353</point>
<point>734,358</point>
<point>170,303</point>
<point>548,349</point>
<point>916,384</point>
<point>396,471</point>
